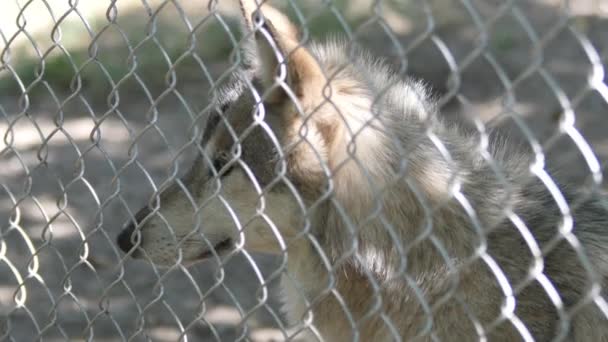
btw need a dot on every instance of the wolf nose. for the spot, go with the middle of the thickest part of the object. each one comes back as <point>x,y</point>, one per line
<point>126,237</point>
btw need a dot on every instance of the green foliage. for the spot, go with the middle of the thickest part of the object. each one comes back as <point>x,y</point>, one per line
<point>503,40</point>
<point>106,58</point>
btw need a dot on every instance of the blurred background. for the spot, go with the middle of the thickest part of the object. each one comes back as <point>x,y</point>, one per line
<point>98,105</point>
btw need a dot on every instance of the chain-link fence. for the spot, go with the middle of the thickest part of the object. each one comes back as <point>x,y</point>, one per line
<point>375,228</point>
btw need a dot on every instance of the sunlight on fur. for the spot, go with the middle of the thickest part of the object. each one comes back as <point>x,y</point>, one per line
<point>392,223</point>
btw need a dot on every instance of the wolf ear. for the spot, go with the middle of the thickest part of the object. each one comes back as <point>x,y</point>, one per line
<point>280,56</point>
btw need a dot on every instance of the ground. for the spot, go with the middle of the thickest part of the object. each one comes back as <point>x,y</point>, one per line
<point>73,154</point>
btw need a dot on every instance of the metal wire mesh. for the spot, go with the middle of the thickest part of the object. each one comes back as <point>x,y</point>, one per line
<point>103,105</point>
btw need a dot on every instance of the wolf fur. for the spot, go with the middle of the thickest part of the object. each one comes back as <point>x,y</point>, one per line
<point>396,225</point>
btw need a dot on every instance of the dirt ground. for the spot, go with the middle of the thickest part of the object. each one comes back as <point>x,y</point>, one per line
<point>66,182</point>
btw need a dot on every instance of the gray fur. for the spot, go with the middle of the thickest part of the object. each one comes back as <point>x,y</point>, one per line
<point>415,238</point>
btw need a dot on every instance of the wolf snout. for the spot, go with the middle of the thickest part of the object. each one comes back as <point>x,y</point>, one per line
<point>126,239</point>
<point>130,237</point>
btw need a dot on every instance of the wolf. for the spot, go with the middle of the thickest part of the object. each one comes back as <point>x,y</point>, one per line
<point>396,225</point>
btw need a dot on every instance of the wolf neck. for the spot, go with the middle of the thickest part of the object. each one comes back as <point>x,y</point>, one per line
<point>303,280</point>
<point>374,265</point>
<point>330,298</point>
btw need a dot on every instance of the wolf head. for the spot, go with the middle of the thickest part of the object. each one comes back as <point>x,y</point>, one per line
<point>298,148</point>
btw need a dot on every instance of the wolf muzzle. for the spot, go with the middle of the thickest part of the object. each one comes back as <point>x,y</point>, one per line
<point>130,237</point>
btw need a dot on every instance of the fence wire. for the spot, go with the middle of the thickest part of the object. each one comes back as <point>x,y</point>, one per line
<point>104,105</point>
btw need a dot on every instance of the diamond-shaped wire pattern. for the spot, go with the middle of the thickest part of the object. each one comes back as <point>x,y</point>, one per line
<point>103,107</point>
